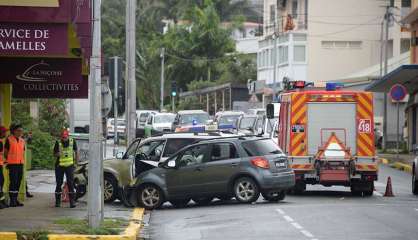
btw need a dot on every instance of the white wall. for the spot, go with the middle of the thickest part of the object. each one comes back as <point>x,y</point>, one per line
<point>342,20</point>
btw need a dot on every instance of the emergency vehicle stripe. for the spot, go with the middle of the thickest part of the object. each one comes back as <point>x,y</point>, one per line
<point>365,140</point>
<point>298,117</point>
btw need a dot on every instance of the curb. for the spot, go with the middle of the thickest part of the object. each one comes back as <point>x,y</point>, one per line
<point>397,165</point>
<point>8,236</point>
<point>130,232</point>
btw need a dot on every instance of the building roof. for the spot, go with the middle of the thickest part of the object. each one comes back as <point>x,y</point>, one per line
<point>407,75</point>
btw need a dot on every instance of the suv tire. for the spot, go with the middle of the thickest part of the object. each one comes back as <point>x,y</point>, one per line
<point>274,198</point>
<point>110,188</point>
<point>414,181</point>
<point>150,197</point>
<point>246,190</point>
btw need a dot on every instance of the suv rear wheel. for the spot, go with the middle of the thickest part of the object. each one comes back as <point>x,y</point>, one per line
<point>150,197</point>
<point>246,190</point>
<point>274,196</point>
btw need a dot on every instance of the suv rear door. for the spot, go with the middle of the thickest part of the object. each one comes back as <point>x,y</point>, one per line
<point>224,162</point>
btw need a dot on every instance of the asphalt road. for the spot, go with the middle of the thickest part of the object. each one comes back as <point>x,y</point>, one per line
<point>321,213</point>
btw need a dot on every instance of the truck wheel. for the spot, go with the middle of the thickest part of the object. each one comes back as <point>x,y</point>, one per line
<point>274,196</point>
<point>414,182</point>
<point>150,197</point>
<point>370,190</point>
<point>246,190</point>
<point>299,188</point>
<point>355,191</point>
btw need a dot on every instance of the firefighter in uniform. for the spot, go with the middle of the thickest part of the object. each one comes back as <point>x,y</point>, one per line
<point>3,203</point>
<point>14,152</point>
<point>65,151</point>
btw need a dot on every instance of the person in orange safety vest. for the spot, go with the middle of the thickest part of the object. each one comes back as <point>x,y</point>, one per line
<point>14,152</point>
<point>3,203</point>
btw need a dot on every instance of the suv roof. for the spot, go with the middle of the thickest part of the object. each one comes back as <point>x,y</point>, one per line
<point>234,138</point>
<point>191,111</point>
<point>190,135</point>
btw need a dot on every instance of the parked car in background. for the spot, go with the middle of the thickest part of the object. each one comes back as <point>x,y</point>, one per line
<point>191,121</point>
<point>111,127</point>
<point>159,123</point>
<point>256,111</point>
<point>227,120</point>
<point>240,167</point>
<point>139,157</point>
<point>250,125</point>
<point>141,118</point>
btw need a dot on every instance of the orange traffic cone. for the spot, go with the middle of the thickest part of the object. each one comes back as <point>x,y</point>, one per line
<point>65,196</point>
<point>389,192</point>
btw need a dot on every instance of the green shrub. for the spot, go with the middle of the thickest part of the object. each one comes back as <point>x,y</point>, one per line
<point>42,147</point>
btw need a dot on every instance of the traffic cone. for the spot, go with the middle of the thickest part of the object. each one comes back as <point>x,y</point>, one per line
<point>65,193</point>
<point>389,192</point>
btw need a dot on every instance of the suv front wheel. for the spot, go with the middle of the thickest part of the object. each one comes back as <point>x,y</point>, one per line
<point>246,190</point>
<point>150,197</point>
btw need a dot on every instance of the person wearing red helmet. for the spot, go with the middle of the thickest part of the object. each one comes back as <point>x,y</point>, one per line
<point>3,203</point>
<point>66,155</point>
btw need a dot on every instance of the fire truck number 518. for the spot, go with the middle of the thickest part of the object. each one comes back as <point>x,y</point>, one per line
<point>364,126</point>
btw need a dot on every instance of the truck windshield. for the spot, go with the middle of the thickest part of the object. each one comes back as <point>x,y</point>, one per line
<point>228,120</point>
<point>198,118</point>
<point>261,147</point>
<point>247,122</point>
<point>164,118</point>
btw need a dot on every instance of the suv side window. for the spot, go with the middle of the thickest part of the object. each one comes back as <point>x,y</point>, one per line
<point>173,145</point>
<point>194,155</point>
<point>223,151</point>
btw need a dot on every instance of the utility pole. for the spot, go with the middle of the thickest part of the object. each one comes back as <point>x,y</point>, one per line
<point>131,80</point>
<point>115,99</point>
<point>385,97</point>
<point>95,176</point>
<point>162,79</point>
<point>275,36</point>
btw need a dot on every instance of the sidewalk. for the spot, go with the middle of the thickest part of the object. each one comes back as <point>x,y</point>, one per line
<point>403,162</point>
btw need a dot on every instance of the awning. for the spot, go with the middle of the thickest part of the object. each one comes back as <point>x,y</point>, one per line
<point>30,3</point>
<point>407,75</point>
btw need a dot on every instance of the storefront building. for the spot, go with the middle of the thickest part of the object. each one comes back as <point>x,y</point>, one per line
<point>45,46</point>
<point>407,75</point>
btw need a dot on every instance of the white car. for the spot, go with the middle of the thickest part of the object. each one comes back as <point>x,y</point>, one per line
<point>159,123</point>
<point>111,127</point>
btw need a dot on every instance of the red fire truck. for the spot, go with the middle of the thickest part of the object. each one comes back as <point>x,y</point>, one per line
<point>329,138</point>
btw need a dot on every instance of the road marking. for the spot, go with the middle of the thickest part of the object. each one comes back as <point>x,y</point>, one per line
<point>378,194</point>
<point>306,233</point>
<point>416,209</point>
<point>287,218</point>
<point>296,225</point>
<point>280,211</point>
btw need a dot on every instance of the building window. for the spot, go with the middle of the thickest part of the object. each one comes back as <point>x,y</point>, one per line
<point>299,53</point>
<point>299,37</point>
<point>283,54</point>
<point>406,3</point>
<point>295,9</point>
<point>272,13</point>
<point>341,44</point>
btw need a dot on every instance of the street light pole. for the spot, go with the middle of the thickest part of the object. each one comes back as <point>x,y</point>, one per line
<point>162,79</point>
<point>95,177</point>
<point>115,100</point>
<point>385,95</point>
<point>131,79</point>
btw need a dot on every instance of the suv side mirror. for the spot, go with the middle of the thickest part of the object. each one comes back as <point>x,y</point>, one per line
<point>171,164</point>
<point>270,111</point>
<point>119,155</point>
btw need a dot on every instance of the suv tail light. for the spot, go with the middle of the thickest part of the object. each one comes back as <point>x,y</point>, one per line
<point>260,162</point>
